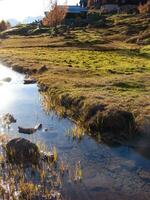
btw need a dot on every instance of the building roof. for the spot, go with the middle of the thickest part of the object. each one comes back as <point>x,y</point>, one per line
<point>76,9</point>
<point>72,9</point>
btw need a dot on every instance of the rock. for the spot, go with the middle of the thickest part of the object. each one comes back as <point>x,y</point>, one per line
<point>7,79</point>
<point>47,156</point>
<point>18,68</point>
<point>42,69</point>
<point>29,130</point>
<point>38,127</point>
<point>45,129</point>
<point>26,130</point>
<point>119,125</point>
<point>22,151</point>
<point>29,81</point>
<point>8,119</point>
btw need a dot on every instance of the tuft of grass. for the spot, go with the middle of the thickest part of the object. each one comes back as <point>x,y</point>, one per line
<point>78,172</point>
<point>55,154</point>
<point>76,132</point>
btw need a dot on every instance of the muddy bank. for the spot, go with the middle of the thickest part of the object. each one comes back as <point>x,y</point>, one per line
<point>110,124</point>
<point>113,127</point>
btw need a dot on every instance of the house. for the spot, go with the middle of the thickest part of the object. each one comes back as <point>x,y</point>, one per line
<point>76,15</point>
<point>76,12</point>
<point>73,15</point>
<point>72,11</point>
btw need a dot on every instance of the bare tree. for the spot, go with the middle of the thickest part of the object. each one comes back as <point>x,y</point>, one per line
<point>56,15</point>
<point>4,25</point>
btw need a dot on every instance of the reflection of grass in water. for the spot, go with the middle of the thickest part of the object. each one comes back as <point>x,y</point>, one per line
<point>55,154</point>
<point>42,181</point>
<point>76,132</point>
<point>78,172</point>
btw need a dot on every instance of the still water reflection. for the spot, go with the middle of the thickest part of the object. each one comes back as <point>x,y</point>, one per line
<point>108,173</point>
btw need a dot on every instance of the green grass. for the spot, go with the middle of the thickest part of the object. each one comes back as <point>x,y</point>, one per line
<point>96,64</point>
<point>115,76</point>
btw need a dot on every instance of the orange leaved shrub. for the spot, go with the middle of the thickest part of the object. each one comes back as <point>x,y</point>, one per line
<point>145,8</point>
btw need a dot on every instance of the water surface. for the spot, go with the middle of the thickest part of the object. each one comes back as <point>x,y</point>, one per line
<point>108,173</point>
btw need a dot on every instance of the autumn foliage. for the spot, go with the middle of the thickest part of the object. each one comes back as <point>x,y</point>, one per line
<point>90,3</point>
<point>56,16</point>
<point>144,8</point>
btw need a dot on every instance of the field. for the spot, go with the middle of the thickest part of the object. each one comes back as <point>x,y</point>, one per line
<point>109,67</point>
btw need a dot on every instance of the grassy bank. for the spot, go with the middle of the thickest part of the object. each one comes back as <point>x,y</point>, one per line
<point>92,74</point>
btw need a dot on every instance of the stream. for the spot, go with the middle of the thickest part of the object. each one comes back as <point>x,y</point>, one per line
<point>108,172</point>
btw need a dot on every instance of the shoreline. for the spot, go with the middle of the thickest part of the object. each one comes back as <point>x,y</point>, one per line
<point>112,126</point>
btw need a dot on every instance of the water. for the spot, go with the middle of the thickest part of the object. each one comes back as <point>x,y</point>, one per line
<point>108,173</point>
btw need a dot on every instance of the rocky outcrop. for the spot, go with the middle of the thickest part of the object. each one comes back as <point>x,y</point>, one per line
<point>7,79</point>
<point>22,151</point>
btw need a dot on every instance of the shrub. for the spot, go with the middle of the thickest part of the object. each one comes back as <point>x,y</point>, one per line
<point>145,8</point>
<point>56,16</point>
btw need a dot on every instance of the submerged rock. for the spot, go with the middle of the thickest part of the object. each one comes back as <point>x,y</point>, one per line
<point>38,127</point>
<point>22,151</point>
<point>7,79</point>
<point>29,130</point>
<point>29,81</point>
<point>45,129</point>
<point>26,130</point>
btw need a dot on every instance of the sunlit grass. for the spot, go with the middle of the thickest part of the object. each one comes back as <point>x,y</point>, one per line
<point>97,66</point>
